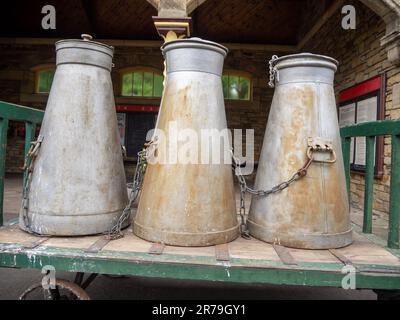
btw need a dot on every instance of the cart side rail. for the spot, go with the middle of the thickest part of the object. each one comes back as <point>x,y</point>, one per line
<point>370,131</point>
<point>13,112</point>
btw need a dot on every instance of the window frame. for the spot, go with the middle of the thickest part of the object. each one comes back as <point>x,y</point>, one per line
<point>124,71</point>
<point>240,74</point>
<point>37,70</point>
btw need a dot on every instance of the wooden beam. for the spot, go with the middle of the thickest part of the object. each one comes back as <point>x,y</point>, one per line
<point>325,17</point>
<point>193,4</point>
<point>150,44</point>
<point>154,3</point>
<point>90,15</point>
<point>260,47</point>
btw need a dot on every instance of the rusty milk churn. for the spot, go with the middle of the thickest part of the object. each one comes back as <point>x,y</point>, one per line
<point>77,183</point>
<point>189,203</point>
<point>311,210</point>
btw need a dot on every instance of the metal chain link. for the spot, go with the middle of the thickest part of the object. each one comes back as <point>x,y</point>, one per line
<point>115,232</point>
<point>273,72</point>
<point>28,169</point>
<point>243,188</point>
<point>301,173</point>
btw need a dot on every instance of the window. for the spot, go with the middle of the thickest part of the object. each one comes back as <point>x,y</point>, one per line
<point>142,83</point>
<point>363,103</point>
<point>236,86</point>
<point>44,79</point>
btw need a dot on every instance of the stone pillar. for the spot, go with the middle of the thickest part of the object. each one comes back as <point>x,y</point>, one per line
<point>172,21</point>
<point>389,11</point>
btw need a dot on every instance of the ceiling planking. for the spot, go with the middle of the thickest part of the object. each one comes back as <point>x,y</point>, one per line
<point>114,19</point>
<point>277,22</point>
<point>250,21</point>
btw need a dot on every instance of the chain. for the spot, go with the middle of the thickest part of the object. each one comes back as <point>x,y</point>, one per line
<point>301,173</point>
<point>243,188</point>
<point>115,231</point>
<point>273,72</point>
<point>28,169</point>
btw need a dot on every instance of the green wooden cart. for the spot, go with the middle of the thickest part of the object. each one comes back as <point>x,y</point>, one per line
<point>374,262</point>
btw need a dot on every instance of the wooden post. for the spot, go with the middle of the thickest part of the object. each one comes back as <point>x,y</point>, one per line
<point>369,185</point>
<point>394,213</point>
<point>346,143</point>
<point>3,147</point>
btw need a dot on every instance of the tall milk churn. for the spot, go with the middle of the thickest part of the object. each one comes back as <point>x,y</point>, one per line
<point>189,203</point>
<point>301,156</point>
<point>77,183</point>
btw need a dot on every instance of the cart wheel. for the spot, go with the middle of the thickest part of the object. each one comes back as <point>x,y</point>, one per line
<point>65,290</point>
<point>388,295</point>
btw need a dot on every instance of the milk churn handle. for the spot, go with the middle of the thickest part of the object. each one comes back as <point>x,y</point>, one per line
<point>273,72</point>
<point>321,145</point>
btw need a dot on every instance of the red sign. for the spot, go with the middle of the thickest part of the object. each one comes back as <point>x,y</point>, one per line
<point>362,89</point>
<point>137,108</point>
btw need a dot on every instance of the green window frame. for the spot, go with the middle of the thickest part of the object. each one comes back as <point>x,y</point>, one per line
<point>44,80</point>
<point>236,86</point>
<point>142,83</point>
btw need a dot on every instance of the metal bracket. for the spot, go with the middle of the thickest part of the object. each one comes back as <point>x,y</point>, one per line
<point>285,256</point>
<point>318,144</point>
<point>346,261</point>
<point>157,249</point>
<point>34,244</point>
<point>222,252</point>
<point>98,245</point>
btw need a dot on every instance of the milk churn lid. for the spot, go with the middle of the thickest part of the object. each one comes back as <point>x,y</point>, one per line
<point>305,60</point>
<point>195,43</point>
<point>84,51</point>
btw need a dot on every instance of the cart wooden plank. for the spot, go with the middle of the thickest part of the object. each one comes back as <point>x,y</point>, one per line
<point>362,251</point>
<point>250,261</point>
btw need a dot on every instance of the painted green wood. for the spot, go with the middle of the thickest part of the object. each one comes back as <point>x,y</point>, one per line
<point>369,184</point>
<point>372,129</point>
<point>10,111</point>
<point>221,273</point>
<point>346,144</point>
<point>3,147</point>
<point>16,112</point>
<point>139,257</point>
<point>394,213</point>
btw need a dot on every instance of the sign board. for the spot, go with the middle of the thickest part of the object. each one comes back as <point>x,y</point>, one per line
<point>359,104</point>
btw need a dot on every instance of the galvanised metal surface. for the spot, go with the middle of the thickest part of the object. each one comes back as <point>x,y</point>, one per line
<point>312,213</point>
<point>189,204</point>
<point>78,184</point>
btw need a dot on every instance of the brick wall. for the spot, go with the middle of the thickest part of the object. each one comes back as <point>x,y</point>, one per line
<point>17,83</point>
<point>15,151</point>
<point>359,52</point>
<point>361,57</point>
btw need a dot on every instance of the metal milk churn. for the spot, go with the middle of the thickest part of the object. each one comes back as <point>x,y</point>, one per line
<point>77,183</point>
<point>302,149</point>
<point>189,203</point>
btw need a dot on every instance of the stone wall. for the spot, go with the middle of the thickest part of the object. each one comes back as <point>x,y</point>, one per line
<point>361,57</point>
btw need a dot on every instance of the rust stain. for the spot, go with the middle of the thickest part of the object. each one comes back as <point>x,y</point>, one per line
<point>186,205</point>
